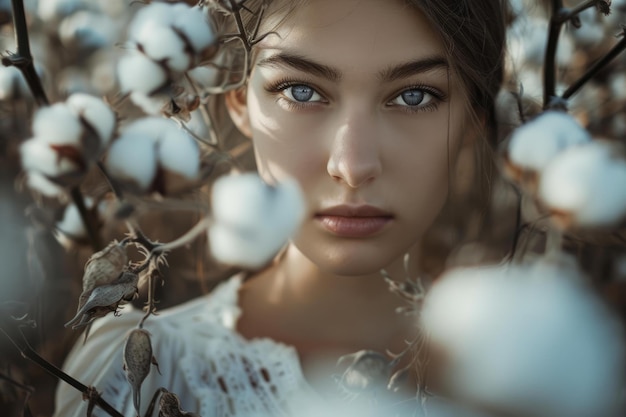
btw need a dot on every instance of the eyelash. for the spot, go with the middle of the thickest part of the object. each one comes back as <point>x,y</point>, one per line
<point>281,85</point>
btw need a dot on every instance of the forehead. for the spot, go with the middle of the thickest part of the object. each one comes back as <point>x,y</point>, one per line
<point>354,34</point>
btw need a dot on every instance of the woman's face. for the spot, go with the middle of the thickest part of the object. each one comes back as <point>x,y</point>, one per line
<point>354,98</point>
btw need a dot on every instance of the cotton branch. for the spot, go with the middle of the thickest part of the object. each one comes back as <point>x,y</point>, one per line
<point>595,69</point>
<point>23,59</point>
<point>559,16</point>
<point>16,336</point>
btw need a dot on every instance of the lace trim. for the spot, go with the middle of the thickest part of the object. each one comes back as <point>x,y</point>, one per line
<point>214,370</point>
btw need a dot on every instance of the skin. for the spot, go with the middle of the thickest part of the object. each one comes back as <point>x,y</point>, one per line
<point>354,141</point>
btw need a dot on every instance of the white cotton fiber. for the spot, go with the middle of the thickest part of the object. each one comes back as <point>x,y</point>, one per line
<point>252,219</point>
<point>97,113</point>
<point>58,124</point>
<point>526,339</point>
<point>132,158</point>
<point>535,143</point>
<point>194,25</point>
<point>137,72</point>
<point>587,182</point>
<point>37,155</point>
<point>178,152</point>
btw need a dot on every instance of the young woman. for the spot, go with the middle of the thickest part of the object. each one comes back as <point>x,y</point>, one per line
<point>368,104</point>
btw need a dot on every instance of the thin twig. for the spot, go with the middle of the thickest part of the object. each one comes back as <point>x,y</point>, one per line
<point>194,232</point>
<point>596,68</point>
<point>549,70</point>
<point>21,343</point>
<point>23,59</point>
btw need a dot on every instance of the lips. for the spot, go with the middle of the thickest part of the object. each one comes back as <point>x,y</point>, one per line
<point>353,221</point>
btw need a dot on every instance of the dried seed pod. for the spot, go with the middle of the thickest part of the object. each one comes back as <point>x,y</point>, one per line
<point>137,360</point>
<point>368,371</point>
<point>105,266</point>
<point>169,406</point>
<point>105,299</point>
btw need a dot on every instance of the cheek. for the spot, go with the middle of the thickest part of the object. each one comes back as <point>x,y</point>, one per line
<point>284,145</point>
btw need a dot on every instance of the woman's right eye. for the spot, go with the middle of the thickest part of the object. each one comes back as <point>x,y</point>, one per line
<point>302,93</point>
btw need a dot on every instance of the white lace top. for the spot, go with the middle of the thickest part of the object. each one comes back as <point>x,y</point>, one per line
<point>214,370</point>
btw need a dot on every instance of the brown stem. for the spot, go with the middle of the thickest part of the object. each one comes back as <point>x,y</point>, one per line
<point>19,340</point>
<point>596,68</point>
<point>549,70</point>
<point>23,59</point>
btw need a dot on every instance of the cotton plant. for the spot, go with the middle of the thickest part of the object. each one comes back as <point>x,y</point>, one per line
<point>12,84</point>
<point>583,187</point>
<point>526,339</point>
<point>251,219</point>
<point>68,137</point>
<point>533,145</point>
<point>165,41</point>
<point>154,155</point>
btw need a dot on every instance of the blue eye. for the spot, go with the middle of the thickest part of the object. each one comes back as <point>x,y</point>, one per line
<point>412,98</point>
<point>302,93</point>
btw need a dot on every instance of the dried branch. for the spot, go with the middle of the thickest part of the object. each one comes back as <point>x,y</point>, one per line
<point>597,67</point>
<point>23,59</point>
<point>16,336</point>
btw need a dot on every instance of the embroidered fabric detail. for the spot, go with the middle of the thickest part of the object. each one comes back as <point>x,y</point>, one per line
<point>214,370</point>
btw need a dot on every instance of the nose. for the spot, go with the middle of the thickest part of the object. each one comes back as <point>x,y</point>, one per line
<point>354,158</point>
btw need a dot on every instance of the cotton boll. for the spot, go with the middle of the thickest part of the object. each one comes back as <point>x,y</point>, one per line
<point>42,185</point>
<point>534,144</point>
<point>527,40</point>
<point>178,152</point>
<point>95,112</point>
<point>154,127</point>
<point>12,84</point>
<point>197,29</point>
<point>527,340</point>
<point>252,219</point>
<point>617,84</point>
<point>72,224</point>
<point>58,124</point>
<point>583,185</point>
<point>88,30</point>
<point>163,44</point>
<point>205,76</point>
<point>52,10</point>
<point>591,32</point>
<point>38,155</point>
<point>150,104</point>
<point>137,72</point>
<point>132,159</point>
<point>156,12</point>
<point>197,125</point>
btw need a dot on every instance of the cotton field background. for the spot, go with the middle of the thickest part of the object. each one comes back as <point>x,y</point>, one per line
<point>107,135</point>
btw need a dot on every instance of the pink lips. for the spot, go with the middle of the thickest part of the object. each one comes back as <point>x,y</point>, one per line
<point>353,221</point>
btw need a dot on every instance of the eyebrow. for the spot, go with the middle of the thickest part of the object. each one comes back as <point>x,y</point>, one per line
<point>393,73</point>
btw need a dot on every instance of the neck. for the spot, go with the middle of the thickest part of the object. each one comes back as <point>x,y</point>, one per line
<point>297,302</point>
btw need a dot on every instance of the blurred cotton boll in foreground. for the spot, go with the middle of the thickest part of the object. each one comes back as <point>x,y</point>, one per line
<point>584,186</point>
<point>253,220</point>
<point>533,145</point>
<point>527,339</point>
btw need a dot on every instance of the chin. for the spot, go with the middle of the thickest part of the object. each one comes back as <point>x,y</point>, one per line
<point>351,264</point>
